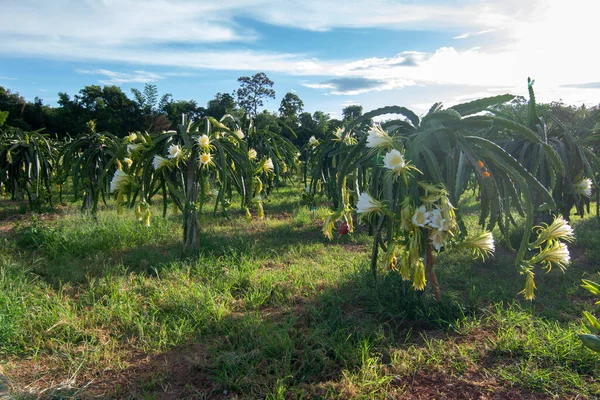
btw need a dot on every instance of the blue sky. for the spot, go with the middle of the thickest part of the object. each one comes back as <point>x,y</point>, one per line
<point>332,53</point>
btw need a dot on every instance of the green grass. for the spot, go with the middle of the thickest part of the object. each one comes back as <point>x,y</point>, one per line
<point>271,309</point>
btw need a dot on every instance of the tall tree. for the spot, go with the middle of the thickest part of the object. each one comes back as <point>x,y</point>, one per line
<point>147,102</point>
<point>174,108</point>
<point>253,91</point>
<point>352,112</point>
<point>290,109</point>
<point>222,104</point>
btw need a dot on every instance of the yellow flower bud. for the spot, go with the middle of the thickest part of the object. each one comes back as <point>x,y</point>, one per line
<point>419,280</point>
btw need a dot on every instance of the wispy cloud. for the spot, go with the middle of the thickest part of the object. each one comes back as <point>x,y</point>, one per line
<point>126,22</point>
<point>119,78</point>
<point>585,85</point>
<point>358,85</point>
<point>6,78</point>
<point>469,34</point>
<point>189,34</point>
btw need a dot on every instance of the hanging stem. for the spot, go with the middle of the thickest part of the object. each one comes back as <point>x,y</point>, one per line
<point>191,225</point>
<point>429,263</point>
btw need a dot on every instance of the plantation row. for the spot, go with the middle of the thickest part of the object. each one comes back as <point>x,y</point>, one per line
<point>403,177</point>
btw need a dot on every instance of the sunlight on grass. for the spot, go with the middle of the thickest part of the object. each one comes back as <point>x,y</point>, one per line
<point>280,311</point>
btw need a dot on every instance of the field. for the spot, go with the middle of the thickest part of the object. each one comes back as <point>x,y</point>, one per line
<point>108,308</point>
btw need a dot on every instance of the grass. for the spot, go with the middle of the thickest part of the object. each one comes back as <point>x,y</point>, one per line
<point>271,309</point>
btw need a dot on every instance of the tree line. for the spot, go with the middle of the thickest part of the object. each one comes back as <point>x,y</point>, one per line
<point>115,111</point>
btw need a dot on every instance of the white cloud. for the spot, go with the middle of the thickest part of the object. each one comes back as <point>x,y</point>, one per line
<point>384,14</point>
<point>544,39</point>
<point>319,85</point>
<point>119,78</point>
<point>6,78</point>
<point>469,34</point>
<point>126,22</point>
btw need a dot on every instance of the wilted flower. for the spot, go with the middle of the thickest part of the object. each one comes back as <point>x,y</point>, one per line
<point>239,134</point>
<point>159,162</point>
<point>482,245</point>
<point>419,280</point>
<point>338,134</point>
<point>313,142</point>
<point>138,212</point>
<point>414,246</point>
<point>447,209</point>
<point>119,181</point>
<point>349,139</point>
<point>529,290</point>
<point>389,259</point>
<point>132,148</point>
<point>394,161</point>
<point>146,218</point>
<point>433,193</point>
<point>393,263</point>
<point>205,158</point>
<point>559,229</point>
<point>260,211</point>
<point>120,201</point>
<point>405,265</point>
<point>252,154</point>
<point>447,225</point>
<point>438,239</point>
<point>405,217</point>
<point>175,151</point>
<point>436,219</point>
<point>128,161</point>
<point>420,217</point>
<point>378,138</point>
<point>329,224</point>
<point>204,141</point>
<point>367,204</point>
<point>268,166</point>
<point>584,187</point>
<point>248,215</point>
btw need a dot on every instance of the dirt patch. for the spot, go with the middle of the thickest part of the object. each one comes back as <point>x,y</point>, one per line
<point>9,220</point>
<point>178,373</point>
<point>479,386</point>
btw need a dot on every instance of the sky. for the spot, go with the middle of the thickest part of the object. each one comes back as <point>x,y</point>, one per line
<point>331,53</point>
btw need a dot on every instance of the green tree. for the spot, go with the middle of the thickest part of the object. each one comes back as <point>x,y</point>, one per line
<point>109,106</point>
<point>222,104</point>
<point>253,91</point>
<point>352,112</point>
<point>15,105</point>
<point>3,117</point>
<point>290,109</point>
<point>150,114</point>
<point>174,108</point>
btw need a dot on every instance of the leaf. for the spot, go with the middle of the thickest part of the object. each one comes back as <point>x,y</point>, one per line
<point>591,287</point>
<point>592,322</point>
<point>479,105</point>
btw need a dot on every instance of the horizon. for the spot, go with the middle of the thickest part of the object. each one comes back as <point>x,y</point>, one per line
<point>369,53</point>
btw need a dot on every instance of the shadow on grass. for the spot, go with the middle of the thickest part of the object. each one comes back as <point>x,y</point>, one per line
<point>353,339</point>
<point>70,254</point>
